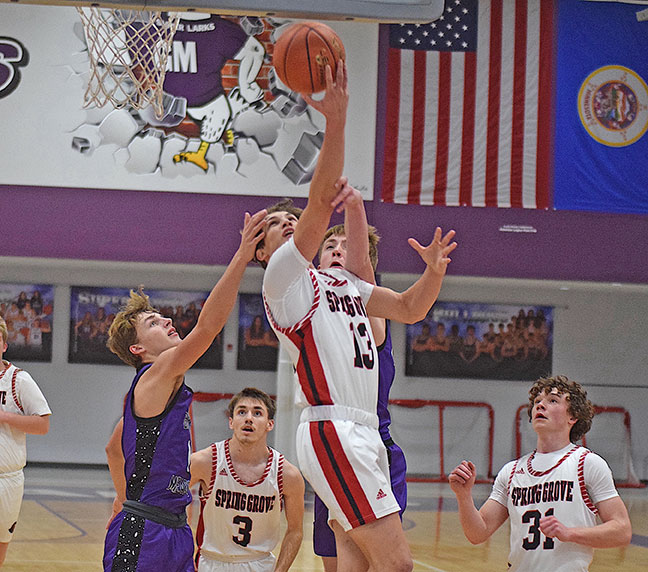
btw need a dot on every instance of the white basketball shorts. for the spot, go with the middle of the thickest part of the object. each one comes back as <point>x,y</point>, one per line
<point>12,486</point>
<point>346,464</point>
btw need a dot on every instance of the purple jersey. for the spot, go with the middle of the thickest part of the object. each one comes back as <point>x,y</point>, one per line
<point>156,452</point>
<point>200,50</point>
<point>386,372</point>
<point>156,465</point>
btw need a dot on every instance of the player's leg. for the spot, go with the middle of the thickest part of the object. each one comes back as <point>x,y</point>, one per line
<point>11,494</point>
<point>349,556</point>
<point>392,556</point>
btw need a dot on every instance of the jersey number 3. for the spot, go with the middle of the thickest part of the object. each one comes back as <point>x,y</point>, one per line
<point>532,541</point>
<point>243,538</point>
<point>365,360</point>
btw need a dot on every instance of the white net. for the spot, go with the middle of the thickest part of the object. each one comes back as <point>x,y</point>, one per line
<point>128,52</point>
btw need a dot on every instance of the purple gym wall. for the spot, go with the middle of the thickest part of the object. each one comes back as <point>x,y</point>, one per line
<point>203,229</point>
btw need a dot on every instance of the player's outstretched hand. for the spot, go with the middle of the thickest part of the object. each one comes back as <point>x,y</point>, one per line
<point>462,477</point>
<point>252,233</point>
<point>347,196</point>
<point>336,97</point>
<point>435,254</point>
<point>550,526</point>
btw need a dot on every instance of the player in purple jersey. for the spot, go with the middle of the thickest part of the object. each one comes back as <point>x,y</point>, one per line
<point>148,453</point>
<point>333,253</point>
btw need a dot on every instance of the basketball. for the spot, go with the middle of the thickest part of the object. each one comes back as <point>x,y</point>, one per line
<point>302,53</point>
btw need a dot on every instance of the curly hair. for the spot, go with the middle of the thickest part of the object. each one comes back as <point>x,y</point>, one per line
<point>579,406</point>
<point>285,205</point>
<point>374,237</point>
<point>253,393</point>
<point>122,334</point>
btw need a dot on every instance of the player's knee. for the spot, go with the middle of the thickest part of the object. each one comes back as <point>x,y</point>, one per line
<point>405,564</point>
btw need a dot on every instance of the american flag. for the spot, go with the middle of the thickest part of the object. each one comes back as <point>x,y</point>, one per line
<point>468,106</point>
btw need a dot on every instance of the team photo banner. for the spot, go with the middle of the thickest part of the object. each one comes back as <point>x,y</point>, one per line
<point>486,341</point>
<point>93,309</point>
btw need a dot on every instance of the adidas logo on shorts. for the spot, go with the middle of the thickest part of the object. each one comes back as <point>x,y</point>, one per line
<point>381,495</point>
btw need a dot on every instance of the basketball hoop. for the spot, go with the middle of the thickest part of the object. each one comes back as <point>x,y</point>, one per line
<point>128,51</point>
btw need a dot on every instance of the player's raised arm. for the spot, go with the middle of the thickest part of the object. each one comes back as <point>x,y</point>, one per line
<point>413,305</point>
<point>356,230</point>
<point>172,363</point>
<point>315,218</point>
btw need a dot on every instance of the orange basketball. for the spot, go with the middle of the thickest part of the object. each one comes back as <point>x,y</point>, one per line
<point>302,53</point>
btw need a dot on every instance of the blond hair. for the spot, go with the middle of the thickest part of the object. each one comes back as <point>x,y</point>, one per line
<point>374,237</point>
<point>3,330</point>
<point>122,334</point>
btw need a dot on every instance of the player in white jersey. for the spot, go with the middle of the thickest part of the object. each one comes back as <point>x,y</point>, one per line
<point>23,409</point>
<point>244,487</point>
<point>554,495</point>
<point>321,318</point>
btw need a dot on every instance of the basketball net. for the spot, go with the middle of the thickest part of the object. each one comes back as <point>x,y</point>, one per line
<point>128,51</point>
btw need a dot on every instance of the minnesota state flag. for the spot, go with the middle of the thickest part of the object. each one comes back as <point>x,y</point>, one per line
<point>601,107</point>
<point>519,103</point>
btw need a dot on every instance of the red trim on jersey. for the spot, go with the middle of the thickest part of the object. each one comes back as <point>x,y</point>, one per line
<point>581,483</point>
<point>306,318</point>
<point>310,369</point>
<point>6,367</point>
<point>214,461</point>
<point>510,480</point>
<point>339,474</point>
<point>535,473</point>
<point>14,393</point>
<point>280,467</point>
<point>230,466</point>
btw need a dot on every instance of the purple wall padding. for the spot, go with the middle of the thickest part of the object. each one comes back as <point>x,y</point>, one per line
<point>203,229</point>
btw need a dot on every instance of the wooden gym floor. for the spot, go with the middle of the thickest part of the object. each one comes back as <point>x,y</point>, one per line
<point>65,510</point>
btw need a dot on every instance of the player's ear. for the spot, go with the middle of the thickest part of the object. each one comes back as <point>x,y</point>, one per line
<point>230,423</point>
<point>270,425</point>
<point>136,349</point>
<point>261,255</point>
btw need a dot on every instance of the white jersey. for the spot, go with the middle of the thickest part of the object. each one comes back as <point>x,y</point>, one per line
<point>240,521</point>
<point>566,484</point>
<point>18,394</point>
<point>321,320</point>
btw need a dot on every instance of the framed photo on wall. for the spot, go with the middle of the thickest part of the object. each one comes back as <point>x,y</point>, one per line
<point>93,309</point>
<point>28,310</point>
<point>478,340</point>
<point>258,347</point>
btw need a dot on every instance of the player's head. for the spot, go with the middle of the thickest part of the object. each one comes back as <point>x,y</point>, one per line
<point>136,324</point>
<point>579,407</point>
<point>280,222</point>
<point>256,394</point>
<point>3,336</point>
<point>332,251</point>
